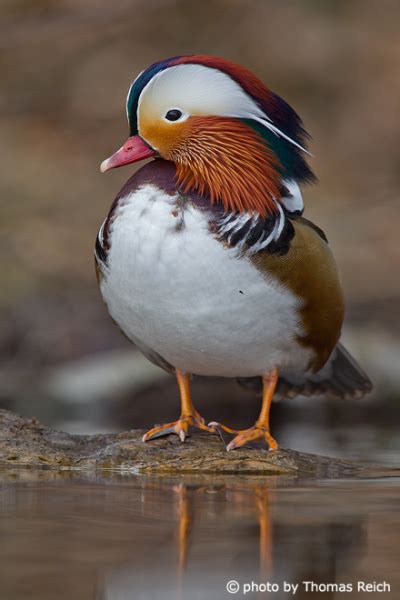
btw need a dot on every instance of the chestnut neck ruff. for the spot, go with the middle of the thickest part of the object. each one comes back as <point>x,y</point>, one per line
<point>227,161</point>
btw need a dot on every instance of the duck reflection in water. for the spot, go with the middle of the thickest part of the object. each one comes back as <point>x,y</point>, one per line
<point>238,531</point>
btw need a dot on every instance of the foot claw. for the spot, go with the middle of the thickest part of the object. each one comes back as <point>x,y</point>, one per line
<point>179,428</point>
<point>218,426</point>
<point>231,446</point>
<point>159,431</point>
<point>255,437</point>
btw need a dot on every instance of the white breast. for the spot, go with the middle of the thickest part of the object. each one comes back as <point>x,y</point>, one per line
<point>172,287</point>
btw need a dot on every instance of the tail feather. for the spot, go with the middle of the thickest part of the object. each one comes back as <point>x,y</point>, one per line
<point>340,378</point>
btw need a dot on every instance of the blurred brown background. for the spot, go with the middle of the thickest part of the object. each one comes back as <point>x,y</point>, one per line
<point>66,67</point>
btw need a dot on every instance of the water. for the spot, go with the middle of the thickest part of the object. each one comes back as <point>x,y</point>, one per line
<point>72,535</point>
<point>68,535</point>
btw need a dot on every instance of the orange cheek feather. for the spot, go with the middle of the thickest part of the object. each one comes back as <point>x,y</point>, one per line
<point>161,136</point>
<point>219,157</point>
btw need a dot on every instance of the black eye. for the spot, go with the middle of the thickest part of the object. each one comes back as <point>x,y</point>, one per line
<point>173,115</point>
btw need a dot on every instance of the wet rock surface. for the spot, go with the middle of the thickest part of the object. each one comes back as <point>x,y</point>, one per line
<point>25,442</point>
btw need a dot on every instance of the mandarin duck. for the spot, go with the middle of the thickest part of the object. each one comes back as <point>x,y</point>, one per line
<point>205,260</point>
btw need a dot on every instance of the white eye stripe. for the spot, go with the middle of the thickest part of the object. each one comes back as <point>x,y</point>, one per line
<point>205,91</point>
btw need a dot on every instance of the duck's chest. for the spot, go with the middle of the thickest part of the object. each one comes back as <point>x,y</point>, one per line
<point>173,287</point>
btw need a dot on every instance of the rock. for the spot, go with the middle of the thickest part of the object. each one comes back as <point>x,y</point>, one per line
<point>26,442</point>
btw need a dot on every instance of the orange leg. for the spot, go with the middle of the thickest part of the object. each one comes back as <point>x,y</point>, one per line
<point>189,415</point>
<point>260,431</point>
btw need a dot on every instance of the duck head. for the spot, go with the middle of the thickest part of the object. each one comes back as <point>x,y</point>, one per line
<point>230,137</point>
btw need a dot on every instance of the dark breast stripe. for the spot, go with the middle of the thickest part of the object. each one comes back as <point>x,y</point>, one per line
<point>100,251</point>
<point>250,234</point>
